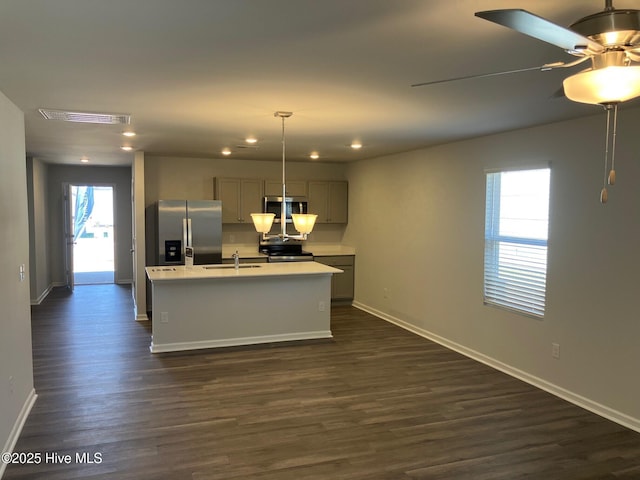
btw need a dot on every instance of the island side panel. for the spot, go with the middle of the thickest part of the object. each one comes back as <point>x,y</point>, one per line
<point>207,313</point>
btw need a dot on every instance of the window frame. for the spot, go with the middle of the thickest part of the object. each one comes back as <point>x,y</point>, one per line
<point>521,296</point>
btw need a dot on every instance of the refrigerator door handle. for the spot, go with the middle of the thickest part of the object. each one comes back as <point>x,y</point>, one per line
<point>189,233</point>
<point>184,235</point>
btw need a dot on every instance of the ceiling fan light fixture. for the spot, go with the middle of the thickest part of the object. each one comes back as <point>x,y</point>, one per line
<point>613,84</point>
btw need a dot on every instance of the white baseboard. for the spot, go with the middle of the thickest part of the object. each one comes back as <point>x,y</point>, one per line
<point>17,427</point>
<point>233,342</point>
<point>140,316</point>
<point>42,296</point>
<point>583,402</point>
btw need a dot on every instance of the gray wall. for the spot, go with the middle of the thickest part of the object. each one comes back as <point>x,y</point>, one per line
<point>120,178</point>
<point>417,222</point>
<point>16,369</point>
<point>40,271</point>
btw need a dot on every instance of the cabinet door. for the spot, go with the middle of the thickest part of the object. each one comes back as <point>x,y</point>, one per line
<point>251,197</point>
<point>319,200</point>
<point>342,284</point>
<point>295,188</point>
<point>228,191</point>
<point>240,197</point>
<point>338,202</point>
<point>329,200</point>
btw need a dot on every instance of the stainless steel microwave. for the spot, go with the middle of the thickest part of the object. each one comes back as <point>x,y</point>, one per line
<point>292,205</point>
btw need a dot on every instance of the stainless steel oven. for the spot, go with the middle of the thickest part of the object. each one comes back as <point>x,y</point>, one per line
<point>278,250</point>
<point>292,205</point>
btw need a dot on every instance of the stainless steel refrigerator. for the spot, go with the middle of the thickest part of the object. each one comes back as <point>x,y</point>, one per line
<point>194,223</point>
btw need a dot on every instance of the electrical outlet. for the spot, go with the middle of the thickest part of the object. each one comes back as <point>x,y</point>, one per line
<point>555,350</point>
<point>385,293</point>
<point>321,306</point>
<point>164,317</point>
<point>12,385</point>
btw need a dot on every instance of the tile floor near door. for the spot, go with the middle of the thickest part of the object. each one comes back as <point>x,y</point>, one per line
<point>376,402</point>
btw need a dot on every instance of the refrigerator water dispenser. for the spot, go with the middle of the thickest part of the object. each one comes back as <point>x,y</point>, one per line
<point>173,250</point>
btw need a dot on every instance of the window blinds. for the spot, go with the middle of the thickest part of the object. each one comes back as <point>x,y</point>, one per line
<point>516,230</point>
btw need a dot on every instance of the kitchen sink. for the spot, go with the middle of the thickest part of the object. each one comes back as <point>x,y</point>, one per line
<point>216,267</point>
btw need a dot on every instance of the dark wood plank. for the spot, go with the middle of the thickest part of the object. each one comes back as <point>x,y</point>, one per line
<point>376,402</point>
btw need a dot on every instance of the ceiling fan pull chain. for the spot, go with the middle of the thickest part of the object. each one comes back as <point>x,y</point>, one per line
<point>603,193</point>
<point>612,173</point>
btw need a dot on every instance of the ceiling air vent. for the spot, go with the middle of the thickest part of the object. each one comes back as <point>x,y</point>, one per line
<point>86,117</point>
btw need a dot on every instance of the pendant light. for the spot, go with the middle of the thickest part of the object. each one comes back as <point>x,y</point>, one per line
<point>303,223</point>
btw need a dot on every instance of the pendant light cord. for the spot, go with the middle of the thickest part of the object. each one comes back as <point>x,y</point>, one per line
<point>283,207</point>
<point>603,193</point>
<point>612,173</point>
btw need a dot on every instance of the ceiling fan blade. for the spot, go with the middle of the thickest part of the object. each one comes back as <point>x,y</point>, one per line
<point>542,29</point>
<point>543,68</point>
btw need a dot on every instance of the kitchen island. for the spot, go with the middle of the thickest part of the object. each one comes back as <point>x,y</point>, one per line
<point>208,306</point>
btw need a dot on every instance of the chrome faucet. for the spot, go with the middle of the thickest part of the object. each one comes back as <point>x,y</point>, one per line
<point>236,260</point>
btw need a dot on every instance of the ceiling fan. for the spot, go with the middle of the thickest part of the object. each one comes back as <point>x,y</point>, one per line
<point>610,39</point>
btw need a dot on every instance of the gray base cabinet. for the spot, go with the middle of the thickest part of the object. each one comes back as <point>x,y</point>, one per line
<point>341,283</point>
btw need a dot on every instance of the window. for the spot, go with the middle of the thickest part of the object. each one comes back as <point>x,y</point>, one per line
<point>516,230</point>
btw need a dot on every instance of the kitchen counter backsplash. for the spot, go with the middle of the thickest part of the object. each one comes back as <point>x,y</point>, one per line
<point>318,249</point>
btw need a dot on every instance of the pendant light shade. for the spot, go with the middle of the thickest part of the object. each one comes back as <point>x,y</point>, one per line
<point>613,84</point>
<point>263,221</point>
<point>304,223</point>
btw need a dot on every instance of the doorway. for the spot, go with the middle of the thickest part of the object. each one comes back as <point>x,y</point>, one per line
<point>92,227</point>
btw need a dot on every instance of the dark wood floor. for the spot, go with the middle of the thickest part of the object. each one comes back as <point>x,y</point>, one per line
<point>377,402</point>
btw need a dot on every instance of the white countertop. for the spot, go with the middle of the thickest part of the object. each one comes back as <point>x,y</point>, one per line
<point>329,249</point>
<point>246,270</point>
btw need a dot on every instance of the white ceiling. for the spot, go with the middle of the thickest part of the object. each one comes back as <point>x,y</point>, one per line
<point>200,75</point>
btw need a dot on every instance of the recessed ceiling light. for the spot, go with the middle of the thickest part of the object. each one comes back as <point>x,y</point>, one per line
<point>126,148</point>
<point>129,133</point>
<point>356,145</point>
<point>314,155</point>
<point>251,140</point>
<point>84,160</point>
<point>226,151</point>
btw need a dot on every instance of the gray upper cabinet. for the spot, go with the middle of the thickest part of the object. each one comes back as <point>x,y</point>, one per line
<point>240,197</point>
<point>329,200</point>
<point>294,188</point>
